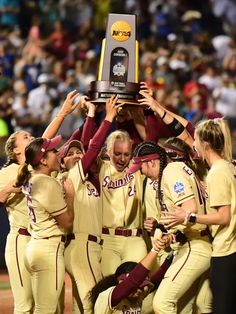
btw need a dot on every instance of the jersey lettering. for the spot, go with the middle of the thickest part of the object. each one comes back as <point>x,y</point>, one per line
<point>131,191</point>
<point>187,170</point>
<point>92,191</point>
<point>32,214</point>
<point>110,184</point>
<point>126,310</point>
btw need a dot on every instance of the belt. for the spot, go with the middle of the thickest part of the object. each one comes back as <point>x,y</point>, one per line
<point>93,238</point>
<point>123,232</point>
<point>24,232</point>
<point>63,238</point>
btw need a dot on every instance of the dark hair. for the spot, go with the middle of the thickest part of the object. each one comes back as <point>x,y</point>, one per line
<point>184,152</point>
<point>110,281</point>
<point>148,148</point>
<point>30,152</point>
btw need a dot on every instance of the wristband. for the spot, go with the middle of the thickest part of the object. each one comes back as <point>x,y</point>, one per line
<point>153,250</point>
<point>192,218</point>
<point>186,219</point>
<point>163,115</point>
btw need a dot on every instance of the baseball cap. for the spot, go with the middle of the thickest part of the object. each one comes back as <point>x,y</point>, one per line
<point>64,149</point>
<point>136,162</point>
<point>48,144</point>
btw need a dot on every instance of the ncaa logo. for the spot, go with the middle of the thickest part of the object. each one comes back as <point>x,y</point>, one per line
<point>120,30</point>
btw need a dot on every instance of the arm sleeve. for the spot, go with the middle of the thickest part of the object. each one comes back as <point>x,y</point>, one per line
<point>156,129</point>
<point>88,132</point>
<point>157,277</point>
<point>77,134</point>
<point>95,146</point>
<point>130,284</point>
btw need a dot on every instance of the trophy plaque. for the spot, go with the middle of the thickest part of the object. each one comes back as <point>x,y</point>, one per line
<point>118,69</point>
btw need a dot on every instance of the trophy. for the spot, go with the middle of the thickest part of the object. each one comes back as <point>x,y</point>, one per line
<point>118,69</point>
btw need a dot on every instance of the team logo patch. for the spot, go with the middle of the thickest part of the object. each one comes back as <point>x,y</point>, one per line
<point>179,188</point>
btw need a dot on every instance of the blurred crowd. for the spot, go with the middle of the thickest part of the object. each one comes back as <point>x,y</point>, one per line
<point>49,48</point>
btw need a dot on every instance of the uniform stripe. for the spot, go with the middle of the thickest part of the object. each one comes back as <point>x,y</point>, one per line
<point>183,262</point>
<point>90,266</point>
<point>182,199</point>
<point>17,261</point>
<point>57,266</point>
<point>57,211</point>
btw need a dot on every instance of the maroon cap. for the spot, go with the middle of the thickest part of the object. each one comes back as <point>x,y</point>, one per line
<point>48,144</point>
<point>64,149</point>
<point>137,162</point>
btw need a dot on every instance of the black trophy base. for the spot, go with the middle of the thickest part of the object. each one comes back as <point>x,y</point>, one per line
<point>100,91</point>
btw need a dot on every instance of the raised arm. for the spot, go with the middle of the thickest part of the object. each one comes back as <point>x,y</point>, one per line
<point>175,123</point>
<point>89,125</point>
<point>100,136</point>
<point>68,107</point>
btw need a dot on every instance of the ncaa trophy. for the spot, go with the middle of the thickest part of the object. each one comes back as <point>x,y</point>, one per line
<point>118,68</point>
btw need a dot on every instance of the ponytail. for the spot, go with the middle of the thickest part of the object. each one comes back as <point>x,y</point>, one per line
<point>23,175</point>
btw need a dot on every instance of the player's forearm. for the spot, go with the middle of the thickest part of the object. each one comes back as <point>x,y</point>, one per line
<point>95,146</point>
<point>54,126</point>
<point>88,131</point>
<point>4,193</point>
<point>221,217</point>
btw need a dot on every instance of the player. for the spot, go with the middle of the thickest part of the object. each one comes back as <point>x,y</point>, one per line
<point>15,203</point>
<point>83,253</point>
<point>125,290</point>
<point>50,213</point>
<point>121,206</point>
<point>213,144</point>
<point>177,185</point>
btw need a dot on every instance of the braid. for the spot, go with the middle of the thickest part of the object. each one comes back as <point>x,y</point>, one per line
<point>146,148</point>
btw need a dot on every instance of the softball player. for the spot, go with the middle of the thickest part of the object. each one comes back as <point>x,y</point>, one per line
<point>177,185</point>
<point>15,203</point>
<point>213,144</point>
<point>50,212</point>
<point>121,202</point>
<point>83,254</point>
<point>19,235</point>
<point>124,291</point>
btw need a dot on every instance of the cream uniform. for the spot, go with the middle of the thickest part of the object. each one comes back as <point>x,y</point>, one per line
<point>222,274</point>
<point>44,252</point>
<point>224,242</point>
<point>122,217</point>
<point>83,254</point>
<point>103,305</point>
<point>17,240</point>
<point>192,259</point>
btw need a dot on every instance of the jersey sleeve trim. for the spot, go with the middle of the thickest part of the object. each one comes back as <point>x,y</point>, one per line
<point>58,212</point>
<point>182,200</point>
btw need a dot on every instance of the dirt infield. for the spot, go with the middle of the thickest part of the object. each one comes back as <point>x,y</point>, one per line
<point>6,298</point>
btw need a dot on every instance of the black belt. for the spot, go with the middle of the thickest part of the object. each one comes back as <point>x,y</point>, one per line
<point>93,238</point>
<point>24,232</point>
<point>123,232</point>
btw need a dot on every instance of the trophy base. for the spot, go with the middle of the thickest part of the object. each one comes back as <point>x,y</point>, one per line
<point>128,94</point>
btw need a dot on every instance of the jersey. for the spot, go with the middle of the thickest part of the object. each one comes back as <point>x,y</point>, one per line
<point>45,200</point>
<point>220,191</point>
<point>103,305</point>
<point>151,203</point>
<point>87,213</point>
<point>16,202</point>
<point>121,197</point>
<point>178,185</point>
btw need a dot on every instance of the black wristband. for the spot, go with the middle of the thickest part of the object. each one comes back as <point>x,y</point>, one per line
<point>163,115</point>
<point>175,127</point>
